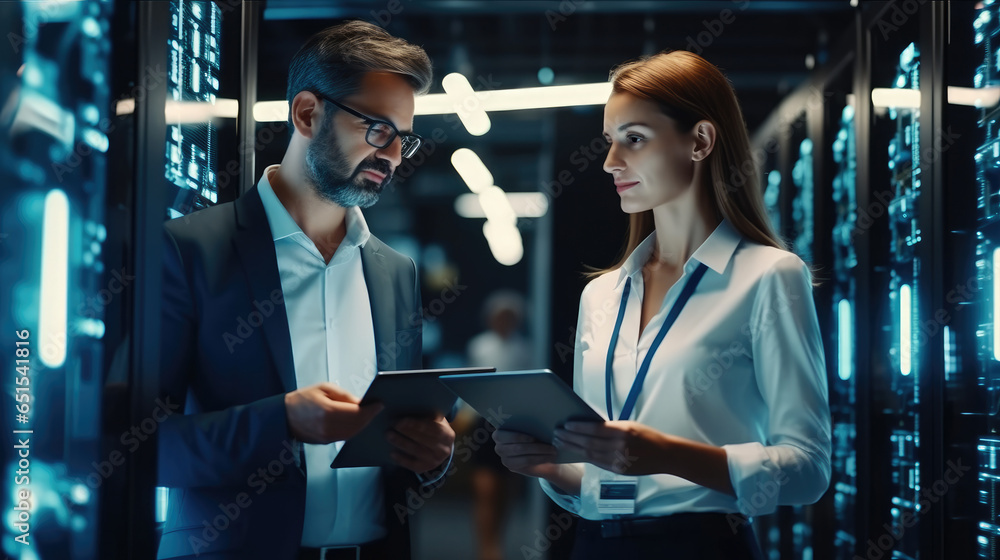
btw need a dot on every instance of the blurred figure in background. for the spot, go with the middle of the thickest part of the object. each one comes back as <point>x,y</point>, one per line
<point>504,346</point>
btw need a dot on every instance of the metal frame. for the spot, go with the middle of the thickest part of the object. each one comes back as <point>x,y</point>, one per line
<point>931,373</point>
<point>866,512</point>
<point>148,204</point>
<point>246,125</point>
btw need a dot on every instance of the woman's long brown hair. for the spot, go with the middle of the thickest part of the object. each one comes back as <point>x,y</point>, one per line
<point>688,88</point>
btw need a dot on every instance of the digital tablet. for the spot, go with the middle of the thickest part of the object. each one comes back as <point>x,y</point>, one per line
<point>403,393</point>
<point>533,402</point>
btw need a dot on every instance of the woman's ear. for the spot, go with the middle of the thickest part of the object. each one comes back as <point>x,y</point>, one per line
<point>704,140</point>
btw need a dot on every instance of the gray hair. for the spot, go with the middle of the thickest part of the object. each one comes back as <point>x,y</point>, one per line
<point>333,61</point>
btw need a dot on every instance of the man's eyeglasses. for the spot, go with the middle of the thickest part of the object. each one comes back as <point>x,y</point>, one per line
<point>381,133</point>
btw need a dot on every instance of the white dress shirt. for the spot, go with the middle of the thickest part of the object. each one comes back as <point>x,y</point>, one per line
<point>333,339</point>
<point>742,368</point>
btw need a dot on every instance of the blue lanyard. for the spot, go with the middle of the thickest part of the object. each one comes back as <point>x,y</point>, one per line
<point>640,378</point>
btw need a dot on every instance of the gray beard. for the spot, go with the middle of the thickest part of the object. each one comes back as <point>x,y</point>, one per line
<point>329,173</point>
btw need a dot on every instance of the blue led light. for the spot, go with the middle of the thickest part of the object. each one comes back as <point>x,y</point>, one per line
<point>905,330</point>
<point>546,76</point>
<point>845,343</point>
<point>96,139</point>
<point>80,494</point>
<point>90,27</point>
<point>162,494</point>
<point>996,304</point>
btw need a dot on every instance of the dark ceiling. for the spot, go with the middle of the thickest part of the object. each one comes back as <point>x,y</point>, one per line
<point>761,45</point>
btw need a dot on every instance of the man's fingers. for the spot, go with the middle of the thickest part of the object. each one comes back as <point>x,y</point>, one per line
<point>421,444</point>
<point>336,393</point>
<point>403,443</point>
<point>369,411</point>
<point>353,416</point>
<point>407,462</point>
<point>414,455</point>
<point>426,432</point>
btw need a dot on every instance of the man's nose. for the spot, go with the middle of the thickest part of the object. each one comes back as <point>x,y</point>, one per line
<point>393,153</point>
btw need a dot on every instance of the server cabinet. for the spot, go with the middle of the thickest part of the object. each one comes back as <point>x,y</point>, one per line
<point>55,280</point>
<point>888,247</point>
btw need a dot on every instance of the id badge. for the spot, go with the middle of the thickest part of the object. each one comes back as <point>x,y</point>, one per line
<point>617,494</point>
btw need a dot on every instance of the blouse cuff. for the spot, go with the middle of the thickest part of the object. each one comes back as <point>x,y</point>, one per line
<point>755,478</point>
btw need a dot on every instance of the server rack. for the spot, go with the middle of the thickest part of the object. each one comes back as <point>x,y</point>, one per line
<point>969,144</point>
<point>887,242</point>
<point>95,155</point>
<point>57,284</point>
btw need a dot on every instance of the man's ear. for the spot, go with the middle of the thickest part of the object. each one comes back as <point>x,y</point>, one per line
<point>704,140</point>
<point>307,113</point>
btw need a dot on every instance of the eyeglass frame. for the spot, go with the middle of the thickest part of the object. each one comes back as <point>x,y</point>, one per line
<point>371,122</point>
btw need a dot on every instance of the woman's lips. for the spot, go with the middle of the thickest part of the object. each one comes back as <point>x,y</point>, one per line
<point>622,187</point>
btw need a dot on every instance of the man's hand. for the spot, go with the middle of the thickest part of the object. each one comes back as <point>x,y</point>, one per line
<point>325,413</point>
<point>421,444</point>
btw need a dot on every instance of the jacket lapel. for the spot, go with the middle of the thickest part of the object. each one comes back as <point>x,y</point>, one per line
<point>383,303</point>
<point>255,247</point>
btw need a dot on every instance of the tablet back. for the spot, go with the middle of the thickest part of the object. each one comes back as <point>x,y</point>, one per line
<point>403,393</point>
<point>532,402</point>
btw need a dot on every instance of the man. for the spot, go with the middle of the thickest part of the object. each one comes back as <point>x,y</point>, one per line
<point>278,309</point>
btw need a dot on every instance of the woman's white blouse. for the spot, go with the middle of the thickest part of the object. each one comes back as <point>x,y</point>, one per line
<point>742,368</point>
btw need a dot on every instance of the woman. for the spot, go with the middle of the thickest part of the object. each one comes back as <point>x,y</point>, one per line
<point>701,345</point>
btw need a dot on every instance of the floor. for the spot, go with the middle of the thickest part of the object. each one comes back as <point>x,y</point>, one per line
<point>444,524</point>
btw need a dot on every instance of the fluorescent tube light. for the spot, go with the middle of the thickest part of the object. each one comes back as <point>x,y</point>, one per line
<point>466,104</point>
<point>472,169</point>
<point>505,242</point>
<point>525,205</point>
<point>898,98</point>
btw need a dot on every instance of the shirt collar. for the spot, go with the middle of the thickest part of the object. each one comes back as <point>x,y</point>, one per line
<point>715,252</point>
<point>283,225</point>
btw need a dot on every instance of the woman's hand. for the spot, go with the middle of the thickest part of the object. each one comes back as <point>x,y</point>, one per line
<point>633,449</point>
<point>526,455</point>
<point>622,447</point>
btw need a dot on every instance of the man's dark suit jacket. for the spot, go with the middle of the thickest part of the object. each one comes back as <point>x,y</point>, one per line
<point>237,478</point>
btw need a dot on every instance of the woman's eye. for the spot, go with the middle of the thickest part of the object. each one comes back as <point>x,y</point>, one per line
<point>633,139</point>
